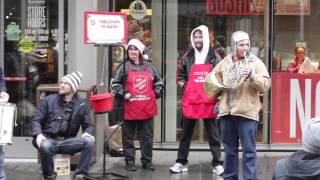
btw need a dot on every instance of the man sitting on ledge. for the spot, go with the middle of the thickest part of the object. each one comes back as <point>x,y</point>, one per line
<point>56,124</point>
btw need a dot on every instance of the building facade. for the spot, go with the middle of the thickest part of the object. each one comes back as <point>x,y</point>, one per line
<point>42,40</point>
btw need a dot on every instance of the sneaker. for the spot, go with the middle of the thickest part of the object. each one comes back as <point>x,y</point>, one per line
<point>131,166</point>
<point>218,170</point>
<point>148,166</point>
<point>178,167</point>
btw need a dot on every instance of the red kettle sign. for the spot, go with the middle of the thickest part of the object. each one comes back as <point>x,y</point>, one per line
<point>295,100</point>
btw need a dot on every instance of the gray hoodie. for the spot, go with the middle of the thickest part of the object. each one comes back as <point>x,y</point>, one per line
<point>200,56</point>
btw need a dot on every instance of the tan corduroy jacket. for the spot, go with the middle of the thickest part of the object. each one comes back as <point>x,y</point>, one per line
<point>244,100</point>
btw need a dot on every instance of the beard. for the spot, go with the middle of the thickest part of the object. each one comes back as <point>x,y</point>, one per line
<point>64,92</point>
<point>198,46</point>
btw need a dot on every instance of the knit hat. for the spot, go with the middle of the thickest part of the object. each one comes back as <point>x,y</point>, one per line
<point>140,46</point>
<point>74,79</point>
<point>235,38</point>
<point>311,136</point>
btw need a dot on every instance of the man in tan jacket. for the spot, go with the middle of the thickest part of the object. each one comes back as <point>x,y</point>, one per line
<point>244,76</point>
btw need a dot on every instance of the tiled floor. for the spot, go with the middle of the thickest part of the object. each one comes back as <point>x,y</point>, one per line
<point>199,167</point>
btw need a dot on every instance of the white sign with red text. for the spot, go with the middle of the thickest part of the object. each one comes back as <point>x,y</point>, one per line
<point>105,28</point>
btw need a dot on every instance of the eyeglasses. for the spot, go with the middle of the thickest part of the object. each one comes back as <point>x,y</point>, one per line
<point>64,82</point>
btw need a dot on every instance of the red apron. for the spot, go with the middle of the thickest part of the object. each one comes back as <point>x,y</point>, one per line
<point>195,103</point>
<point>142,104</point>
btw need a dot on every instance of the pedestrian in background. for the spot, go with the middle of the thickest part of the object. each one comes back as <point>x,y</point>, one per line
<point>244,77</point>
<point>140,83</point>
<point>300,56</point>
<point>192,70</point>
<point>4,97</point>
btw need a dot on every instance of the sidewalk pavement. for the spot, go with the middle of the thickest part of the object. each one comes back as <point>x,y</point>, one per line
<point>199,167</point>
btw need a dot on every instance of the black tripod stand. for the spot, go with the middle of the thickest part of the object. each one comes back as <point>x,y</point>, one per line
<point>105,175</point>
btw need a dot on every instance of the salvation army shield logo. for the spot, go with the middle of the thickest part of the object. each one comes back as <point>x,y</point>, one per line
<point>140,83</point>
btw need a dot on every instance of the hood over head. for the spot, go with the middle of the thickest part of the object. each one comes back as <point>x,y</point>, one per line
<point>200,56</point>
<point>235,38</point>
<point>311,136</point>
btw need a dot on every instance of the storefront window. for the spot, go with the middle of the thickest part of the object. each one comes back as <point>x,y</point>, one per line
<point>295,92</point>
<point>173,27</point>
<point>144,25</point>
<point>30,54</point>
<point>222,18</point>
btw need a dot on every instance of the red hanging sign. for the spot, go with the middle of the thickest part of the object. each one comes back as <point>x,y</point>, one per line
<point>235,7</point>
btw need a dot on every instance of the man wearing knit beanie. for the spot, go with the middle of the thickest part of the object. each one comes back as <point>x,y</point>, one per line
<point>56,124</point>
<point>244,78</point>
<point>304,164</point>
<point>74,79</point>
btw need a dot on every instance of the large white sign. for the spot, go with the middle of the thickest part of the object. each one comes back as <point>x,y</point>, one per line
<point>105,28</point>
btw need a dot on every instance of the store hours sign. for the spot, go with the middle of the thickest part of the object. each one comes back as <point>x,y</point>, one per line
<point>37,14</point>
<point>37,21</point>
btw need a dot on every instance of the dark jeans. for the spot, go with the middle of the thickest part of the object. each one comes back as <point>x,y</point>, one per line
<point>145,133</point>
<point>232,129</point>
<point>2,172</point>
<point>50,147</point>
<point>213,139</point>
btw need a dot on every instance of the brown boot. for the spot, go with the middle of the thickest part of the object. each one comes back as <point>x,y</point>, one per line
<point>131,166</point>
<point>148,166</point>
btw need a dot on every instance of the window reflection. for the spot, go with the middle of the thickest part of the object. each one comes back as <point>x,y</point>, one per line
<point>31,55</point>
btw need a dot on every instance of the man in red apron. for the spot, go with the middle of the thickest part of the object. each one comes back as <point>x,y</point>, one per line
<point>192,71</point>
<point>142,86</point>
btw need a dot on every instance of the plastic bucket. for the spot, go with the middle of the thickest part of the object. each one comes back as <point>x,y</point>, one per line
<point>62,166</point>
<point>102,103</point>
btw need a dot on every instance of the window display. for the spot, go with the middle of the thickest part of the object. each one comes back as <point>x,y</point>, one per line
<point>30,54</point>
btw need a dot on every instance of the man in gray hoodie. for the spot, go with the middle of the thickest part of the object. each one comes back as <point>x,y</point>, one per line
<point>192,70</point>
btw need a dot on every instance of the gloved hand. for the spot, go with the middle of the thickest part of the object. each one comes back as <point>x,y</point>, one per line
<point>244,72</point>
<point>127,96</point>
<point>88,135</point>
<point>40,138</point>
<point>4,97</point>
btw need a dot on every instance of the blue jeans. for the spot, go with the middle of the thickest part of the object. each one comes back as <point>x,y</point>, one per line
<point>232,129</point>
<point>50,147</point>
<point>2,173</point>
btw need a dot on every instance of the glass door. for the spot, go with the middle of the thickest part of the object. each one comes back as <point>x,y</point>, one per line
<point>31,57</point>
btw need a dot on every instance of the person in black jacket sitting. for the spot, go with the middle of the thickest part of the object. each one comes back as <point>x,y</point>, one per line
<point>303,164</point>
<point>56,124</point>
